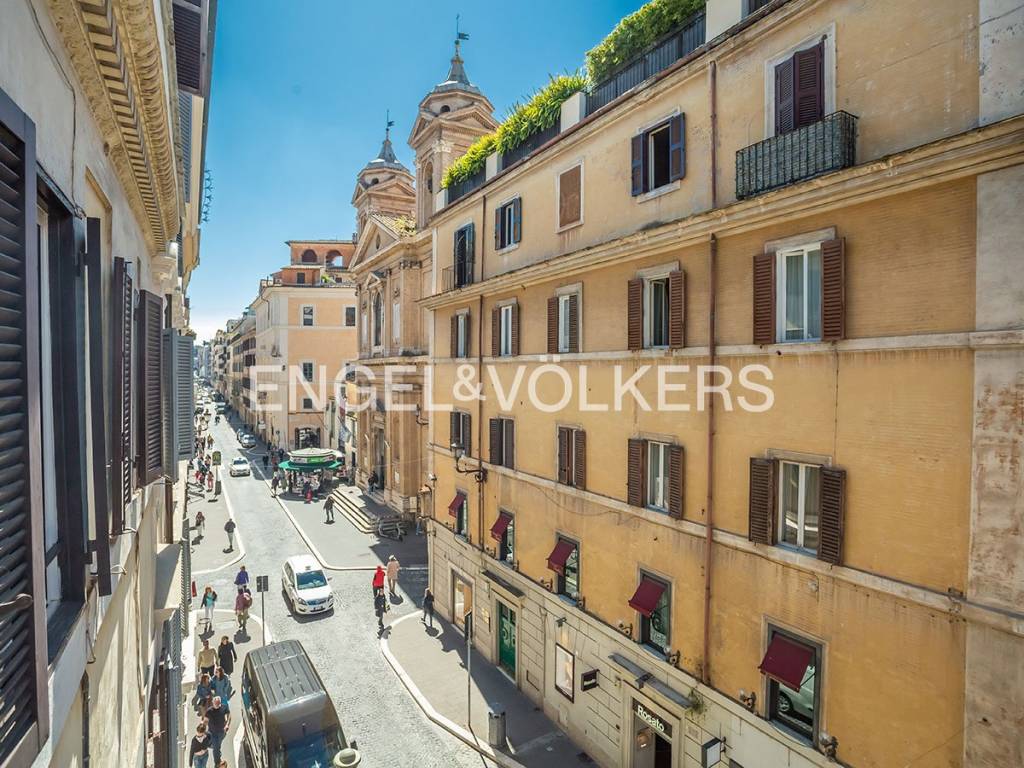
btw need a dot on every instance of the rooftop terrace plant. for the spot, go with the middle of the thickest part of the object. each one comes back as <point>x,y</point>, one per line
<point>541,111</point>
<point>637,32</point>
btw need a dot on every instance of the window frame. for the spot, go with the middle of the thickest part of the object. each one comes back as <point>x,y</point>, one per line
<point>564,331</point>
<point>781,257</point>
<point>505,330</point>
<point>468,254</point>
<point>780,523</point>
<point>302,316</point>
<point>828,34</point>
<point>649,329</point>
<point>345,316</point>
<point>312,369</point>
<point>772,687</point>
<point>571,693</point>
<point>307,407</point>
<point>396,318</point>
<point>462,515</point>
<point>507,546</point>
<point>506,234</point>
<point>462,334</point>
<point>562,580</point>
<point>649,135</point>
<point>663,449</point>
<point>645,622</point>
<point>559,225</point>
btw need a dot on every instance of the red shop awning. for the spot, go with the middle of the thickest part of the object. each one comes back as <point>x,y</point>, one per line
<point>500,526</point>
<point>558,556</point>
<point>647,595</point>
<point>786,661</point>
<point>453,508</point>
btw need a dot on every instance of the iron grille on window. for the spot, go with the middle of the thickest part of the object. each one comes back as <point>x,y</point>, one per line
<point>827,145</point>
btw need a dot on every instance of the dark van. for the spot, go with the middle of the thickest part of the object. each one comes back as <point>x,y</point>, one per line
<point>288,716</point>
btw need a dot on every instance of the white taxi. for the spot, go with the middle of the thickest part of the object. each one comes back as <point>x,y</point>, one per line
<point>306,585</point>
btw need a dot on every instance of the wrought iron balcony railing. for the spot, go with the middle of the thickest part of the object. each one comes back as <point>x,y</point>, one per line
<point>827,145</point>
<point>457,276</point>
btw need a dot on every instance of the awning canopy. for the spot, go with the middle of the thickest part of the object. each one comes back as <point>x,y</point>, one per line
<point>559,555</point>
<point>453,508</point>
<point>786,661</point>
<point>500,525</point>
<point>647,595</point>
<point>167,590</point>
<point>292,467</point>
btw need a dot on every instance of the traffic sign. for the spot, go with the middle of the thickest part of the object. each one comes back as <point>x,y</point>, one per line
<point>262,584</point>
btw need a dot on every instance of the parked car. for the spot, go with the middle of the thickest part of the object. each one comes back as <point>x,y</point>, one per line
<point>240,466</point>
<point>247,441</point>
<point>798,704</point>
<point>306,586</point>
<point>288,718</point>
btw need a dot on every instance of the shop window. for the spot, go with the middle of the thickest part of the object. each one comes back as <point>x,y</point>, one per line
<point>792,666</point>
<point>565,672</point>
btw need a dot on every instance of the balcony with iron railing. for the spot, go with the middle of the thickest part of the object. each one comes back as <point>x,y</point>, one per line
<point>822,147</point>
<point>458,275</point>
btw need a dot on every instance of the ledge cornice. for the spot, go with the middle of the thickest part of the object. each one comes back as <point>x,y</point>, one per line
<point>114,48</point>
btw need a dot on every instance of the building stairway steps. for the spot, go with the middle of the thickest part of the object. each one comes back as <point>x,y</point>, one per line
<point>361,516</point>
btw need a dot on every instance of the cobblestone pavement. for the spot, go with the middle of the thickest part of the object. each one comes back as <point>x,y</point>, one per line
<point>373,705</point>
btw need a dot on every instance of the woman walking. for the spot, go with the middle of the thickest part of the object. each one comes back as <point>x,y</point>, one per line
<point>226,655</point>
<point>428,607</point>
<point>242,602</point>
<point>199,751</point>
<point>222,688</point>
<point>209,602</point>
<point>204,690</point>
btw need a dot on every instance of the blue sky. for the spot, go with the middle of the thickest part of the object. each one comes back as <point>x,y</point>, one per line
<point>298,107</point>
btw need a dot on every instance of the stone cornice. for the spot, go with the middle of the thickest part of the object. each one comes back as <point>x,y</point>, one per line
<point>114,48</point>
<point>985,149</point>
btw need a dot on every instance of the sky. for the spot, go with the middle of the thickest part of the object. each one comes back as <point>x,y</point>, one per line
<point>298,101</point>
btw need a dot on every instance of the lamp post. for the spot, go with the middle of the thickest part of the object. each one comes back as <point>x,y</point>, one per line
<point>479,474</point>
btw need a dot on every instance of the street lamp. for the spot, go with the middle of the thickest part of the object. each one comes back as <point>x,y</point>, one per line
<point>479,474</point>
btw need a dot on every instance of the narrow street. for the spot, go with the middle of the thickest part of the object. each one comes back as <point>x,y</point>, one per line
<point>374,707</point>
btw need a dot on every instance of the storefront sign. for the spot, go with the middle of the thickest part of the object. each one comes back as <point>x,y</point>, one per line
<point>652,719</point>
<point>588,680</point>
<point>711,753</point>
<point>216,458</point>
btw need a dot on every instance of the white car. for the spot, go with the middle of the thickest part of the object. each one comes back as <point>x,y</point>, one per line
<point>240,466</point>
<point>247,441</point>
<point>306,585</point>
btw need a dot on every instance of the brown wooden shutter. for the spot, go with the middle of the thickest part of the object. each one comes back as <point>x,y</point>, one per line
<point>563,454</point>
<point>579,467</point>
<point>454,424</point>
<point>553,325</point>
<point>833,290</point>
<point>635,333</point>
<point>466,433</point>
<point>495,436</point>
<point>121,402</point>
<point>150,443</point>
<point>832,490</point>
<point>99,425</point>
<point>809,93</point>
<point>761,526</point>
<point>785,106</point>
<point>676,309</point>
<point>764,298</point>
<point>495,331</point>
<point>517,220</point>
<point>574,323</point>
<point>455,336</point>
<point>515,329</point>
<point>569,198</point>
<point>677,147</point>
<point>508,450</point>
<point>188,47</point>
<point>497,228</point>
<point>637,164</point>
<point>676,464</point>
<point>636,472</point>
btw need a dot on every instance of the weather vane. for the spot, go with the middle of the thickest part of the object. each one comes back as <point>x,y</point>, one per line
<point>459,36</point>
<point>388,123</point>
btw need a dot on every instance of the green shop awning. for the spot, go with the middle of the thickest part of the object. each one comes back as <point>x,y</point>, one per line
<point>287,465</point>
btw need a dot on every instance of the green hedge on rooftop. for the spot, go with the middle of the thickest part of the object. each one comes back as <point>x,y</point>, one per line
<point>637,32</point>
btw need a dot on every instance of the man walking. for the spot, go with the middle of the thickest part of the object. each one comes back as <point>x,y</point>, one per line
<point>428,607</point>
<point>266,461</point>
<point>242,578</point>
<point>218,721</point>
<point>274,482</point>
<point>392,574</point>
<point>207,659</point>
<point>243,601</point>
<point>380,607</point>
<point>329,510</point>
<point>229,529</point>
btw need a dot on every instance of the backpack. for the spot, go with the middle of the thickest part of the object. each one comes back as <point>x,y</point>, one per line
<point>247,600</point>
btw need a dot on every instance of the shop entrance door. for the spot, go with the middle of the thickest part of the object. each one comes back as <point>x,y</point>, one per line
<point>462,601</point>
<point>652,739</point>
<point>507,639</point>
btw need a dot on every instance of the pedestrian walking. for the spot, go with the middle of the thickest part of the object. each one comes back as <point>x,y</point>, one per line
<point>243,601</point>
<point>199,751</point>
<point>307,491</point>
<point>201,700</point>
<point>226,655</point>
<point>329,510</point>
<point>200,524</point>
<point>378,580</point>
<point>209,441</point>
<point>291,481</point>
<point>242,577</point>
<point>218,721</point>
<point>222,688</point>
<point>266,461</point>
<point>274,481</point>
<point>392,572</point>
<point>209,602</point>
<point>229,529</point>
<point>428,607</point>
<point>206,659</point>
<point>209,481</point>
<point>380,607</point>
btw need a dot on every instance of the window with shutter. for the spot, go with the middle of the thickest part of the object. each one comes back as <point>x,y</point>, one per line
<point>761,510</point>
<point>121,402</point>
<point>658,155</point>
<point>570,197</point>
<point>455,336</point>
<point>573,345</point>
<point>785,114</point>
<point>636,472</point>
<point>800,89</point>
<point>675,480</point>
<point>676,309</point>
<point>496,441</point>
<point>553,325</point>
<point>23,684</point>
<point>833,290</point>
<point>514,332</point>
<point>502,442</point>
<point>564,454</point>
<point>764,298</point>
<point>496,332</point>
<point>150,420</point>
<point>635,319</point>
<point>831,509</point>
<point>579,478</point>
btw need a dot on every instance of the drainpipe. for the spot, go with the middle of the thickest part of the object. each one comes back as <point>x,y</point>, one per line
<point>709,502</point>
<point>480,380</point>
